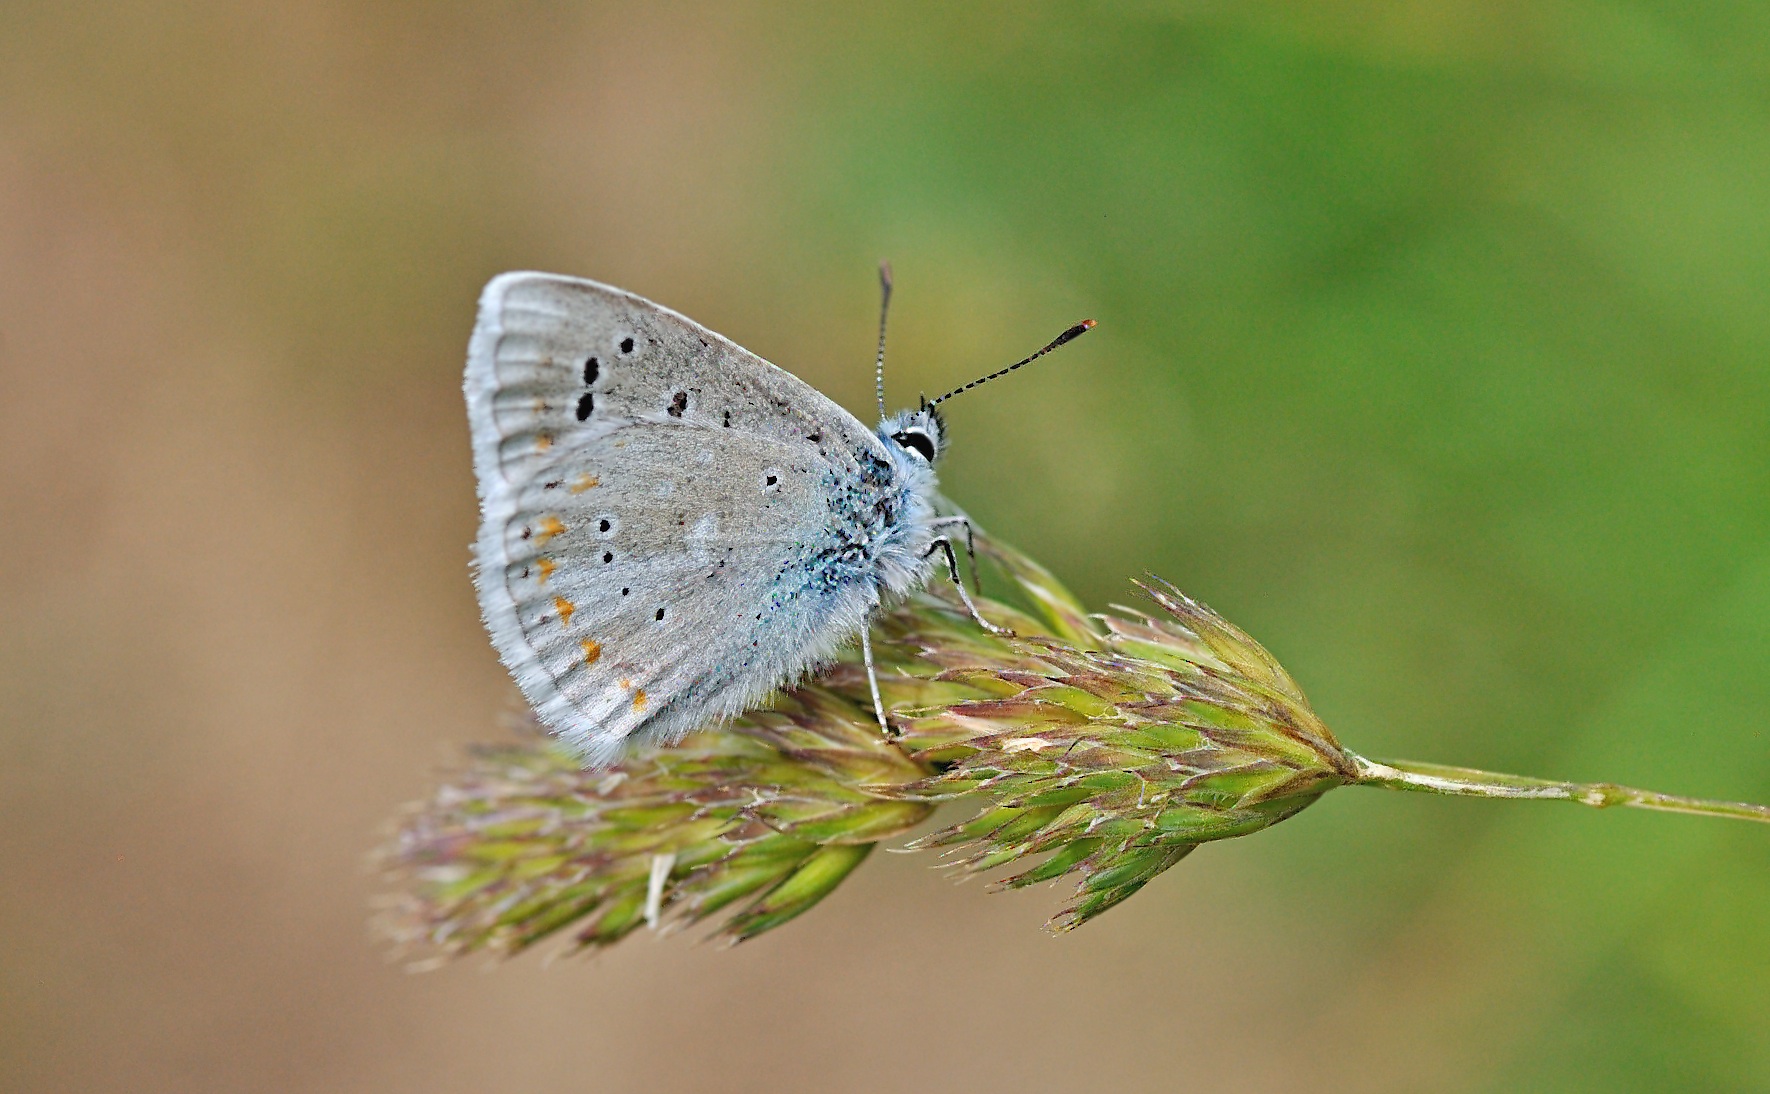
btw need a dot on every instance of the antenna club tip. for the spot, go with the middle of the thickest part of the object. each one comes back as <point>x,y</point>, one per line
<point>885,272</point>
<point>1076,331</point>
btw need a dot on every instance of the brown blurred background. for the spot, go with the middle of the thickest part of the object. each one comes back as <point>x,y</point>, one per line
<point>1432,351</point>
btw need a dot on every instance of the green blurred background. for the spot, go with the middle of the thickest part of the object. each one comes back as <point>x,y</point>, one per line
<point>1434,349</point>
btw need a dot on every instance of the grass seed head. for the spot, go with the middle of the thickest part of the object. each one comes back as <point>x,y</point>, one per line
<point>1099,748</point>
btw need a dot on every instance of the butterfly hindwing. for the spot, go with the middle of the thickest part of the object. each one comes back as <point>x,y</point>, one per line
<point>653,499</point>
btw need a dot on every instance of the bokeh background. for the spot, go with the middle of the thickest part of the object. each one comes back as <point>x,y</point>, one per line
<point>1434,349</point>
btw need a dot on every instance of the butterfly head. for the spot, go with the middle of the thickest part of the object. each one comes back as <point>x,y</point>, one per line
<point>919,434</point>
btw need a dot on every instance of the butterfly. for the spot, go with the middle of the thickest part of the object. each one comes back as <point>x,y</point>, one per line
<point>672,527</point>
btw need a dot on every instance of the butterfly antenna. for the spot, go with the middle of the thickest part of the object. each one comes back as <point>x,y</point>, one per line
<point>884,307</point>
<point>1072,333</point>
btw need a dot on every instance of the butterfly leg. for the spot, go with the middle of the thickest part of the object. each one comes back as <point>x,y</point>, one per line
<point>661,865</point>
<point>943,543</point>
<point>970,546</point>
<point>866,656</point>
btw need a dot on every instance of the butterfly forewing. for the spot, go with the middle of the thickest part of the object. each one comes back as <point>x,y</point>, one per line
<point>653,497</point>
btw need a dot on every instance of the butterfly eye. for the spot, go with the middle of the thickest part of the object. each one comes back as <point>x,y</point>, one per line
<point>918,442</point>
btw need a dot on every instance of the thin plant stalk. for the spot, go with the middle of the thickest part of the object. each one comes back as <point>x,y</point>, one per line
<point>1471,782</point>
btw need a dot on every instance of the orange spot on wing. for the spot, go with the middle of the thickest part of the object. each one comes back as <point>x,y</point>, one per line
<point>549,527</point>
<point>639,699</point>
<point>585,482</point>
<point>565,608</point>
<point>543,441</point>
<point>546,566</point>
<point>592,651</point>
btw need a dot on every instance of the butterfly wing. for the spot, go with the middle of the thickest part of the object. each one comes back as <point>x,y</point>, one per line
<point>654,503</point>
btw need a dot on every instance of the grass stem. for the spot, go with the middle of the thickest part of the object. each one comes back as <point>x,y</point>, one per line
<point>1470,782</point>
